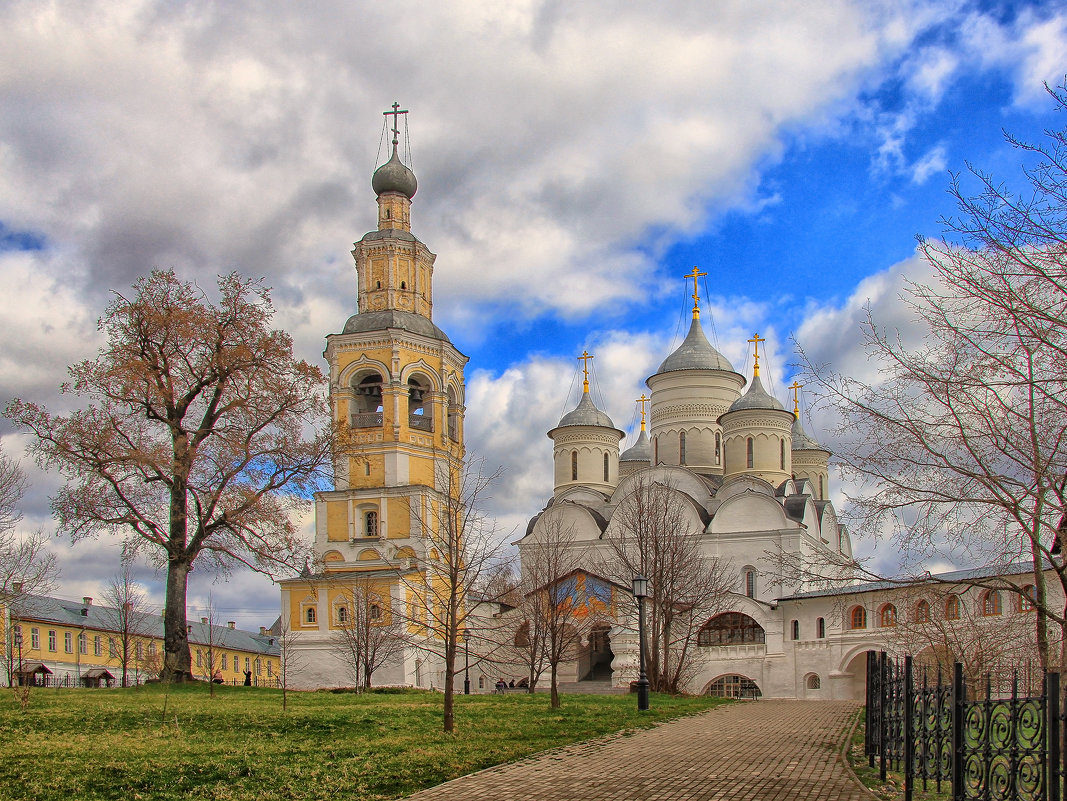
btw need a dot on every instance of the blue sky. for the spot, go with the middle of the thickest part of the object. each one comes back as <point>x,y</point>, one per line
<point>574,161</point>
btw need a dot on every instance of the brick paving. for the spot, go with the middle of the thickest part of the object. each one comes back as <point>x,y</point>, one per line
<point>752,751</point>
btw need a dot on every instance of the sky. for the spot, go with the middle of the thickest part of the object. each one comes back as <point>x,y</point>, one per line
<point>575,160</point>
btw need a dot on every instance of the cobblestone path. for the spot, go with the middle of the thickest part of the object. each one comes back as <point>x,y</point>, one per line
<point>751,751</point>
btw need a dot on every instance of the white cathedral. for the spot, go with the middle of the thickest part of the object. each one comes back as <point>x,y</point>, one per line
<point>750,483</point>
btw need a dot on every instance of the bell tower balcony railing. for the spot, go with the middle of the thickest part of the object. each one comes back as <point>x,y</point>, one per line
<point>420,422</point>
<point>367,420</point>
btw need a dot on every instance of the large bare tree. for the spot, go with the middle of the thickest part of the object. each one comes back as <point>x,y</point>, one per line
<point>369,633</point>
<point>652,535</point>
<point>960,439</point>
<point>200,437</point>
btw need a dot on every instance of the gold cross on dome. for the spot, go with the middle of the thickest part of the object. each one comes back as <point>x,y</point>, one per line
<point>756,338</point>
<point>584,358</point>
<point>395,114</point>
<point>696,292</point>
<point>796,387</point>
<point>643,400</point>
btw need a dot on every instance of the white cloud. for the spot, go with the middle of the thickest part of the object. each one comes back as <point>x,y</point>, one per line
<point>934,161</point>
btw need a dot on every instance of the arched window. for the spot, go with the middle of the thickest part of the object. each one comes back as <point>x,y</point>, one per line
<point>887,618</point>
<point>370,524</point>
<point>952,607</point>
<point>991,603</point>
<point>820,628</point>
<point>733,686</point>
<point>922,611</point>
<point>310,615</point>
<point>781,447</point>
<point>574,465</point>
<point>718,448</point>
<point>681,447</point>
<point>821,496</point>
<point>342,615</point>
<point>751,460</point>
<point>858,618</point>
<point>812,682</point>
<point>795,629</point>
<point>749,576</point>
<point>731,628</point>
<point>607,476</point>
<point>375,612</point>
<point>1026,600</point>
<point>655,451</point>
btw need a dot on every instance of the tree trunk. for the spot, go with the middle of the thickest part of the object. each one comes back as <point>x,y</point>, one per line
<point>450,680</point>
<point>555,688</point>
<point>176,661</point>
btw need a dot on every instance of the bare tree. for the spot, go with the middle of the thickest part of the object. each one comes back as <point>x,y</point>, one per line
<point>26,565</point>
<point>194,440</point>
<point>211,655</point>
<point>127,615</point>
<point>458,561</point>
<point>560,603</point>
<point>652,536</point>
<point>960,442</point>
<point>943,623</point>
<point>290,659</point>
<point>369,632</point>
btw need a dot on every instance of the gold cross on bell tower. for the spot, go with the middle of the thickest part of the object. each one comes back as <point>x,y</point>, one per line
<point>584,358</point>
<point>696,292</point>
<point>796,387</point>
<point>395,114</point>
<point>643,400</point>
<point>756,338</point>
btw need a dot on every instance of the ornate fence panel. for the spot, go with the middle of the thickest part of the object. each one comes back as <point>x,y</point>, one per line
<point>1004,746</point>
<point>932,704</point>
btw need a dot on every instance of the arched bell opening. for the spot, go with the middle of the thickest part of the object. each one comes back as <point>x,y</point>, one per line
<point>367,401</point>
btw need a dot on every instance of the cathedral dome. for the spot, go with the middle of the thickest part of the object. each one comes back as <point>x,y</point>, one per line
<point>640,451</point>
<point>801,440</point>
<point>586,414</point>
<point>394,176</point>
<point>756,398</point>
<point>695,353</point>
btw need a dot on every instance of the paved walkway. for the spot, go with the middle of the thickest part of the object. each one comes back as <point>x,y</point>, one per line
<point>753,751</point>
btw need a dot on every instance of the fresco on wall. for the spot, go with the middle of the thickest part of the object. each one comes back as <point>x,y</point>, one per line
<point>586,596</point>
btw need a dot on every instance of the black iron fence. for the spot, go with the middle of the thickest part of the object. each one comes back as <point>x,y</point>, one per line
<point>1003,745</point>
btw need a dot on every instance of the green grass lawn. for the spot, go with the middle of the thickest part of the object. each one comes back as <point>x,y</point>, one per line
<point>116,744</point>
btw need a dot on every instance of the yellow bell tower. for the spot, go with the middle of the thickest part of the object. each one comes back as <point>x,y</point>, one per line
<point>397,387</point>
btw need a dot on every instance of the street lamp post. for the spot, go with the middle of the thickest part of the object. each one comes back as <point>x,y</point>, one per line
<point>466,662</point>
<point>640,593</point>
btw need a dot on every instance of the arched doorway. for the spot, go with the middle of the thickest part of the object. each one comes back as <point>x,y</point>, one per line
<point>594,658</point>
<point>733,685</point>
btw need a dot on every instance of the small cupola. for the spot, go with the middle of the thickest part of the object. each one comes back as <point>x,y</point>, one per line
<point>757,432</point>
<point>586,445</point>
<point>810,459</point>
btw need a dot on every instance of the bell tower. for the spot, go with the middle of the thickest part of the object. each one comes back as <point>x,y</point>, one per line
<point>397,393</point>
